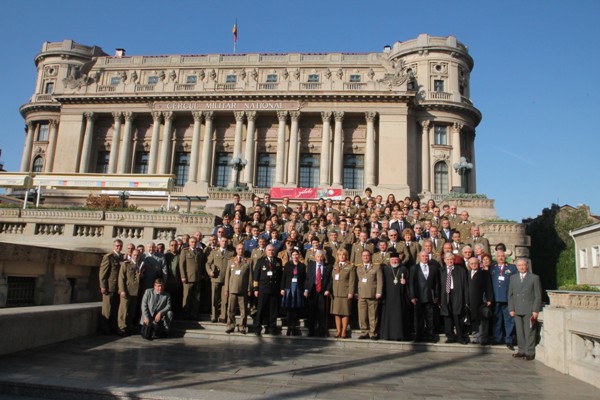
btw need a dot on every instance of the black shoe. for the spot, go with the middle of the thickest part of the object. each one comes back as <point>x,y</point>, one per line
<point>365,336</point>
<point>230,330</point>
<point>529,358</point>
<point>214,320</point>
<point>375,337</point>
<point>449,340</point>
<point>510,346</point>
<point>464,341</point>
<point>518,355</point>
<point>289,332</point>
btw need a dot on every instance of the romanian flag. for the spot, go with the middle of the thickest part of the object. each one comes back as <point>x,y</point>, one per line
<point>235,31</point>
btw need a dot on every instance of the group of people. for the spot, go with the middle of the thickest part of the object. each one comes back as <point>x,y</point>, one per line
<point>404,268</point>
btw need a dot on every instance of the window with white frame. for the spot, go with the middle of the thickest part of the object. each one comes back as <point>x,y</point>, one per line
<point>313,78</point>
<point>42,135</point>
<point>152,80</point>
<point>354,78</point>
<point>272,78</point>
<point>583,260</point>
<point>231,79</point>
<point>595,256</point>
<point>191,79</point>
<point>115,80</point>
<point>441,135</point>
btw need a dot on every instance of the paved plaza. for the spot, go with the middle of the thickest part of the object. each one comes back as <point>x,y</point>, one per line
<point>106,367</point>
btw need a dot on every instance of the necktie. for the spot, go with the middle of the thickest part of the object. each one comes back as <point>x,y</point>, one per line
<point>318,279</point>
<point>522,276</point>
<point>425,272</point>
<point>449,280</point>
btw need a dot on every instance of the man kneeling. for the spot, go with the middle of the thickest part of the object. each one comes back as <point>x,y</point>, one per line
<point>156,311</point>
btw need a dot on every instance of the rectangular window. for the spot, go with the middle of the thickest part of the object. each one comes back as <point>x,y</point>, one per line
<point>191,79</point>
<point>265,170</point>
<point>583,260</point>
<point>438,85</point>
<point>309,171</point>
<point>354,166</point>
<point>596,256</point>
<point>313,78</point>
<point>354,78</point>
<point>231,79</point>
<point>222,169</point>
<point>102,162</point>
<point>182,168</point>
<point>152,80</point>
<point>49,88</point>
<point>115,80</point>
<point>441,135</point>
<point>272,78</point>
<point>42,133</point>
<point>141,162</point>
<point>21,291</point>
<point>461,90</point>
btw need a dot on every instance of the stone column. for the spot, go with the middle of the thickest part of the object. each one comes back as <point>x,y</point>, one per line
<point>425,160</point>
<point>239,127</point>
<point>249,154</point>
<point>195,153</point>
<point>325,149</point>
<point>370,149</point>
<point>86,149</point>
<point>165,157</point>
<point>456,180</point>
<point>473,175</point>
<point>26,159</point>
<point>156,116</point>
<point>114,148</point>
<point>338,150</point>
<point>125,155</point>
<point>51,145</point>
<point>293,155</point>
<point>280,160</point>
<point>206,147</point>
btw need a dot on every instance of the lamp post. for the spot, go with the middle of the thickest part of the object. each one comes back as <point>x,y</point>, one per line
<point>238,164</point>
<point>123,196</point>
<point>462,167</point>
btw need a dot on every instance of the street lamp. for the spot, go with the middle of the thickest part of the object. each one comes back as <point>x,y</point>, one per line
<point>238,164</point>
<point>462,167</point>
<point>123,196</point>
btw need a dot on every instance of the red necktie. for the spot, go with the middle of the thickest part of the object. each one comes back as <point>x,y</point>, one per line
<point>318,279</point>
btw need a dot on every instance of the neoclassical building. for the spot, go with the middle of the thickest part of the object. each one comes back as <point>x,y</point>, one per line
<point>396,121</point>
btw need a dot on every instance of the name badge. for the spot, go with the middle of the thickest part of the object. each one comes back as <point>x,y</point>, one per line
<point>364,280</point>
<point>294,280</point>
<point>269,273</point>
<point>455,251</point>
<point>238,272</point>
<point>500,278</point>
<point>337,277</point>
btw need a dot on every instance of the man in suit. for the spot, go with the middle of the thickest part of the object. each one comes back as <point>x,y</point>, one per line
<point>238,285</point>
<point>436,240</point>
<point>359,247</point>
<point>524,305</point>
<point>152,267</point>
<point>503,324</point>
<point>481,297</point>
<point>129,288</point>
<point>109,287</point>
<point>464,225</point>
<point>267,281</point>
<point>216,267</point>
<point>285,206</point>
<point>424,292</point>
<point>331,248</point>
<point>455,300</point>
<point>446,230</point>
<point>370,290</point>
<point>156,311</point>
<point>477,238</point>
<point>191,264</point>
<point>230,208</point>
<point>316,290</point>
<point>383,255</point>
<point>401,223</point>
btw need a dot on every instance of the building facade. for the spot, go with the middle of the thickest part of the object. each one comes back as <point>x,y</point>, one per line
<point>396,121</point>
<point>587,254</point>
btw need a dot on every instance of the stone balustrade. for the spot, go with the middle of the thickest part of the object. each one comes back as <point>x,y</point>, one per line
<point>570,335</point>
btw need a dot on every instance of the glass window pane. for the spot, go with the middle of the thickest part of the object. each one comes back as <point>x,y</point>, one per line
<point>309,171</point>
<point>265,170</point>
<point>182,168</point>
<point>313,78</point>
<point>38,165</point>
<point>222,169</point>
<point>141,163</point>
<point>272,78</point>
<point>438,85</point>
<point>115,80</point>
<point>441,136</point>
<point>43,133</point>
<point>102,162</point>
<point>353,171</point>
<point>231,79</point>
<point>191,79</point>
<point>441,178</point>
<point>152,80</point>
<point>354,78</point>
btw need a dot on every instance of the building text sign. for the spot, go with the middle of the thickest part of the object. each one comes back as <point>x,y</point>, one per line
<point>227,105</point>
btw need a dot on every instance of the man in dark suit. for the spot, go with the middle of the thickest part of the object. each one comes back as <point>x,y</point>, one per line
<point>267,282</point>
<point>156,311</point>
<point>446,230</point>
<point>230,208</point>
<point>109,287</point>
<point>481,297</point>
<point>455,300</point>
<point>400,224</point>
<point>525,304</point>
<point>424,290</point>
<point>316,291</point>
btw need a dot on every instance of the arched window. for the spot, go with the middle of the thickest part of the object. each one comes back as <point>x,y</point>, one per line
<point>441,177</point>
<point>38,164</point>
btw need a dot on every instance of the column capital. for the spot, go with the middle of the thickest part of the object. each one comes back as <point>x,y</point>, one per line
<point>457,126</point>
<point>326,116</point>
<point>53,123</point>
<point>295,115</point>
<point>251,115</point>
<point>168,115</point>
<point>197,116</point>
<point>117,115</point>
<point>425,124</point>
<point>156,116</point>
<point>282,115</point>
<point>128,116</point>
<point>90,116</point>
<point>370,116</point>
<point>239,116</point>
<point>209,115</point>
<point>338,116</point>
<point>28,125</point>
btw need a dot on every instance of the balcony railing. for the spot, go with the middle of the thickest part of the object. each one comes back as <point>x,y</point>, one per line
<point>355,85</point>
<point>144,88</point>
<point>184,87</point>
<point>225,86</point>
<point>439,96</point>
<point>106,88</point>
<point>311,86</point>
<point>268,86</point>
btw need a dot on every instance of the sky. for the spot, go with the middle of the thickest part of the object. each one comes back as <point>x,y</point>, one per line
<point>533,79</point>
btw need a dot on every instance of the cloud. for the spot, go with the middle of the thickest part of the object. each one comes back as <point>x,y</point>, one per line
<point>518,157</point>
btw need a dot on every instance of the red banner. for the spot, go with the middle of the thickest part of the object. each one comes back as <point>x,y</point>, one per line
<point>307,193</point>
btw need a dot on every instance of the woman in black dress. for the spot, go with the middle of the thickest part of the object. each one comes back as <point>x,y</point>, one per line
<point>292,291</point>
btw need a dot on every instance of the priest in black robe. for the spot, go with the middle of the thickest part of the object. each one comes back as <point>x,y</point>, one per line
<point>394,319</point>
